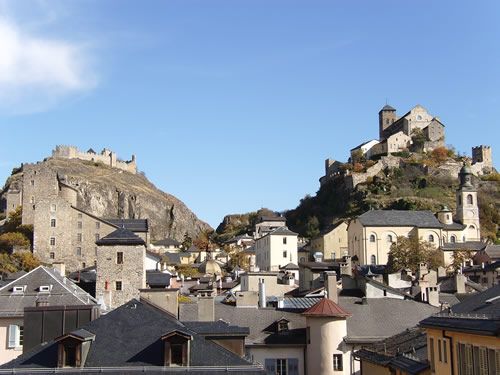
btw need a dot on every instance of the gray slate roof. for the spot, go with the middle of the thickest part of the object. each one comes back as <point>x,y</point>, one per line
<point>121,236</point>
<point>63,292</point>
<point>493,251</point>
<point>468,245</point>
<point>157,278</point>
<point>167,242</point>
<point>478,313</point>
<point>379,319</point>
<point>134,225</point>
<point>399,218</point>
<point>130,336</point>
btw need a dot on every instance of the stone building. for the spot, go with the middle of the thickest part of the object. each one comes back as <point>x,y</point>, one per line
<point>62,231</point>
<point>121,268</point>
<point>417,118</point>
<point>372,234</point>
<point>482,160</point>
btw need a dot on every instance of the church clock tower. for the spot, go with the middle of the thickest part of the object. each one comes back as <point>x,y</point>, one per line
<point>467,207</point>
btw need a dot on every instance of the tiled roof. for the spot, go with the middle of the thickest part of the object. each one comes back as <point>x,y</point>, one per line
<point>399,218</point>
<point>326,308</point>
<point>63,291</point>
<point>121,236</point>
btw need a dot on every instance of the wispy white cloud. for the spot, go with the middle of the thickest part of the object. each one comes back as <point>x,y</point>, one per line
<point>38,72</point>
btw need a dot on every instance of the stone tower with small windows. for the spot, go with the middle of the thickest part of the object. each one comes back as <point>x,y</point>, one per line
<point>121,269</point>
<point>467,207</point>
<point>386,117</point>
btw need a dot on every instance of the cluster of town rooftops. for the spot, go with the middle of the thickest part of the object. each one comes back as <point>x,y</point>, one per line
<point>110,300</point>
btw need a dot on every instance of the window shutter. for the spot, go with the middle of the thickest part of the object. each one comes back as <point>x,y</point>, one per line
<point>293,366</point>
<point>13,335</point>
<point>270,365</point>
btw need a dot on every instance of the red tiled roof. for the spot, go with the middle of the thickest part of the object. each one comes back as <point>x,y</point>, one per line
<point>327,308</point>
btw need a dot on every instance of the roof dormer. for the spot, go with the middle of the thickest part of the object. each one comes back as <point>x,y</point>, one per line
<point>176,348</point>
<point>73,348</point>
<point>19,289</point>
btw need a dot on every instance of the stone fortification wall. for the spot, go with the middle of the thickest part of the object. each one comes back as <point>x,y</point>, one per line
<point>354,179</point>
<point>106,157</point>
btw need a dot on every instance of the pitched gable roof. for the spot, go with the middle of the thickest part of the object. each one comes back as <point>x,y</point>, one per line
<point>400,218</point>
<point>63,291</point>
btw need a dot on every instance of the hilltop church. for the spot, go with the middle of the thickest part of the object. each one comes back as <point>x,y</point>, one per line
<point>371,235</point>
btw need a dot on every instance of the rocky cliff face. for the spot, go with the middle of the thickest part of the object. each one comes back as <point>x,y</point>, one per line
<point>109,192</point>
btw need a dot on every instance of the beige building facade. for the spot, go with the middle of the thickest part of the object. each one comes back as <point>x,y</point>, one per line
<point>333,242</point>
<point>276,249</point>
<point>372,234</point>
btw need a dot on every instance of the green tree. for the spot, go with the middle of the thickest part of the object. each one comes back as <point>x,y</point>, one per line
<point>11,239</point>
<point>187,270</point>
<point>14,221</point>
<point>409,252</point>
<point>312,227</point>
<point>186,242</point>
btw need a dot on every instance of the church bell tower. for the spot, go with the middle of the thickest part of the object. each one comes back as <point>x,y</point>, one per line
<point>467,207</point>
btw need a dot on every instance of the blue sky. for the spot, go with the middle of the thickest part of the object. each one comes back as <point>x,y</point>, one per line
<point>234,105</point>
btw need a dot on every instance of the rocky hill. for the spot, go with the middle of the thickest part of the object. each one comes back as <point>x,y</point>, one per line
<point>236,224</point>
<point>420,182</point>
<point>111,192</point>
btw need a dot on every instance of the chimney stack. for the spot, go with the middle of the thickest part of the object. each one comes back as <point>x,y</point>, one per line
<point>60,267</point>
<point>262,294</point>
<point>331,286</point>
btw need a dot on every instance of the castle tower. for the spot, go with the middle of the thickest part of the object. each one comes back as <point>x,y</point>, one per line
<point>386,117</point>
<point>482,154</point>
<point>467,207</point>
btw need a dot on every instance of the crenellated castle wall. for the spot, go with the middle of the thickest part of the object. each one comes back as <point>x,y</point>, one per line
<point>107,157</point>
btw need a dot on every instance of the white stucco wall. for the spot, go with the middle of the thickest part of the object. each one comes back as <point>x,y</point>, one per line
<point>8,354</point>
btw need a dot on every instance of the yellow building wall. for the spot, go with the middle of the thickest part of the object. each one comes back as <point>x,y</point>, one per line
<point>452,339</point>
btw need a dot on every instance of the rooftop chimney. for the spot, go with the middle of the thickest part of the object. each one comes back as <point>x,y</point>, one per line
<point>262,294</point>
<point>331,286</point>
<point>60,267</point>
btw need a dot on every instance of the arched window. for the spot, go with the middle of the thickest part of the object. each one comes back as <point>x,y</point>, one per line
<point>373,259</point>
<point>453,239</point>
<point>372,238</point>
<point>431,238</point>
<point>470,200</point>
<point>389,238</point>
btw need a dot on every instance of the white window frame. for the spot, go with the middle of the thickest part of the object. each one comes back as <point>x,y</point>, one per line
<point>14,339</point>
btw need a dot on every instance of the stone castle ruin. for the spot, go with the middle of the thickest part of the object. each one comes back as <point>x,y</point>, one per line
<point>106,157</point>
